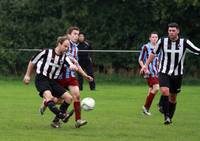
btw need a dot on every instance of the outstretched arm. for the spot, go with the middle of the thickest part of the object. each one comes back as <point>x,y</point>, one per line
<point>81,71</point>
<point>192,48</point>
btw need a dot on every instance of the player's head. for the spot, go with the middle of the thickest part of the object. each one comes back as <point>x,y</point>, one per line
<point>81,37</point>
<point>173,31</point>
<point>63,43</point>
<point>153,37</point>
<point>73,33</point>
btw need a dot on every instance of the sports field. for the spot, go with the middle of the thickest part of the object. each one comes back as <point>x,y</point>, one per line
<point>117,116</point>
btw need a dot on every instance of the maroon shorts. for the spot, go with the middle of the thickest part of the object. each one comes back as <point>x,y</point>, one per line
<point>152,81</point>
<point>72,81</point>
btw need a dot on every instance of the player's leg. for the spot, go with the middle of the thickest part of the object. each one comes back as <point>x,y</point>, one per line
<point>146,106</point>
<point>64,106</point>
<point>175,88</point>
<point>172,104</point>
<point>153,89</point>
<point>44,104</point>
<point>51,104</point>
<point>164,81</point>
<point>74,90</point>
<point>43,85</point>
<point>165,92</point>
<point>67,101</point>
<point>61,82</point>
<point>59,92</point>
<point>56,121</point>
<point>152,92</point>
<point>160,104</point>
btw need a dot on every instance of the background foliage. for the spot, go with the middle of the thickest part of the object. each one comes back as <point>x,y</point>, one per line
<point>113,24</point>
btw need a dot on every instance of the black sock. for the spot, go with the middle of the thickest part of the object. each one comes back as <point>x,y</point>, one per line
<point>64,106</point>
<point>161,100</point>
<point>172,108</point>
<point>166,106</point>
<point>56,119</point>
<point>52,107</point>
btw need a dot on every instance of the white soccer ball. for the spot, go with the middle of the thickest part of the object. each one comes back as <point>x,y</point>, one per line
<point>88,104</point>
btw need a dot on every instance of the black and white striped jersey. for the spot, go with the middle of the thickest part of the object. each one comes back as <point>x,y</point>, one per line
<point>172,54</point>
<point>48,63</point>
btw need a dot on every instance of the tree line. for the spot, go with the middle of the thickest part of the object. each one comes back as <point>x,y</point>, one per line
<point>108,24</point>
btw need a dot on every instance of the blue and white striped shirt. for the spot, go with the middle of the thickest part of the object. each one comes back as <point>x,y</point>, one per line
<point>144,55</point>
<point>73,51</point>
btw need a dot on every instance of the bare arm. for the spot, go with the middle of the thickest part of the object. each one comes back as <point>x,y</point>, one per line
<point>143,54</point>
<point>29,71</point>
<point>141,63</point>
<point>87,77</point>
<point>79,69</point>
<point>71,62</point>
<point>149,60</point>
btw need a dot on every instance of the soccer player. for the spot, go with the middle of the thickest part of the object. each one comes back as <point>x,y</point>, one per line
<point>152,77</point>
<point>69,79</point>
<point>48,65</point>
<point>73,86</point>
<point>172,50</point>
<point>85,61</point>
<point>65,84</point>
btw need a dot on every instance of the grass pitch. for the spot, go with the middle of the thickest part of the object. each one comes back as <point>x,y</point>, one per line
<point>116,117</point>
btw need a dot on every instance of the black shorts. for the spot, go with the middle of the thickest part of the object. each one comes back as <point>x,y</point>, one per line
<point>172,82</point>
<point>43,83</point>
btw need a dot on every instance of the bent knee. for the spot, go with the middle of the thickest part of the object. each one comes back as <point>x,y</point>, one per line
<point>155,90</point>
<point>76,96</point>
<point>48,96</point>
<point>165,91</point>
<point>67,97</point>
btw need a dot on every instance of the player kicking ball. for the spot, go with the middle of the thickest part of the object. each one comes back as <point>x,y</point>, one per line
<point>64,83</point>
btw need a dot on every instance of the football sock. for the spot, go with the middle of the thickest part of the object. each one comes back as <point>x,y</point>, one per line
<point>63,107</point>
<point>77,110</point>
<point>166,106</point>
<point>52,107</point>
<point>56,119</point>
<point>149,100</point>
<point>161,100</point>
<point>172,108</point>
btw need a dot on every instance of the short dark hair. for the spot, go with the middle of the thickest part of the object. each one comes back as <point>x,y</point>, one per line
<point>83,33</point>
<point>153,32</point>
<point>173,25</point>
<point>70,29</point>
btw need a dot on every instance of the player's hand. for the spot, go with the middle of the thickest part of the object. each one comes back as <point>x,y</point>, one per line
<point>89,78</point>
<point>144,70</point>
<point>27,79</point>
<point>73,67</point>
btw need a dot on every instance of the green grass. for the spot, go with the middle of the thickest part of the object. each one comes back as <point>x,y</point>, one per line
<point>117,116</point>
